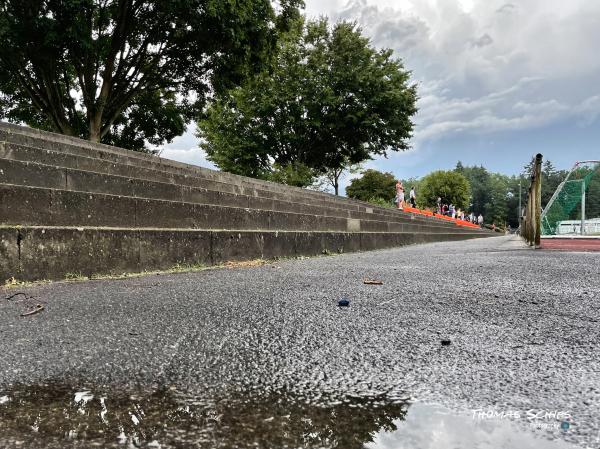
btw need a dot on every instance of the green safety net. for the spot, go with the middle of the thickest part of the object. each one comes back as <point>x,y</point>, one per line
<point>565,208</point>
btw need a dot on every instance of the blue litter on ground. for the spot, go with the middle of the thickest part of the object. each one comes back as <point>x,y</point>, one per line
<point>343,303</point>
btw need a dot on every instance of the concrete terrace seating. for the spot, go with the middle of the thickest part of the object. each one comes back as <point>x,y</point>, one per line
<point>71,206</point>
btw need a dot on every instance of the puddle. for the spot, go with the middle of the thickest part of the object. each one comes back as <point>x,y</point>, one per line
<point>430,426</point>
<point>53,416</point>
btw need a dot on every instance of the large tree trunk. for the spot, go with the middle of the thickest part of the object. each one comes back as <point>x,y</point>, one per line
<point>95,127</point>
<point>94,135</point>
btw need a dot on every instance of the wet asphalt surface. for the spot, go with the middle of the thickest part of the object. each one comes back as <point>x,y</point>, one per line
<point>523,327</point>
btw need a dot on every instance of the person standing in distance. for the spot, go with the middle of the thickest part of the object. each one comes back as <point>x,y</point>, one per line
<point>412,197</point>
<point>400,194</point>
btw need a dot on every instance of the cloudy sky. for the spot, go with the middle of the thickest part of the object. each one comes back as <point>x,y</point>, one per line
<point>498,81</point>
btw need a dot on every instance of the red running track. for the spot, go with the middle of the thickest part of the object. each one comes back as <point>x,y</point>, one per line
<point>566,244</point>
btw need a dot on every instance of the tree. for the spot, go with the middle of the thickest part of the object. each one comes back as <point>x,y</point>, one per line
<point>372,184</point>
<point>295,174</point>
<point>332,177</point>
<point>451,186</point>
<point>496,210</point>
<point>128,71</point>
<point>512,199</point>
<point>551,179</point>
<point>331,101</point>
<point>480,183</point>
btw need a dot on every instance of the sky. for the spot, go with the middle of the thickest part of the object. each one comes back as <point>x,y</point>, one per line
<point>498,81</point>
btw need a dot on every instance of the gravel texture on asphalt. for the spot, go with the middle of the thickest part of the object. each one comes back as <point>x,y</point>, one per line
<point>521,329</point>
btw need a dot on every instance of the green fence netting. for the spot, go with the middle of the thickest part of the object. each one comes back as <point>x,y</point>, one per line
<point>564,211</point>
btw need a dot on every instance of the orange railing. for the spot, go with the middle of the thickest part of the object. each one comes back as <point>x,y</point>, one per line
<point>427,213</point>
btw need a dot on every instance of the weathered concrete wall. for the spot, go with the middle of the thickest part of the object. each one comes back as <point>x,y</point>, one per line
<point>50,207</point>
<point>71,206</point>
<point>69,145</point>
<point>33,253</point>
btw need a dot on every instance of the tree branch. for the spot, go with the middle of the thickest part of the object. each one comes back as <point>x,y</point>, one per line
<point>117,41</point>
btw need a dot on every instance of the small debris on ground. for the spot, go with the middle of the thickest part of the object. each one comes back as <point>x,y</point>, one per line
<point>38,308</point>
<point>245,263</point>
<point>8,298</point>
<point>372,282</point>
<point>445,342</point>
<point>343,303</point>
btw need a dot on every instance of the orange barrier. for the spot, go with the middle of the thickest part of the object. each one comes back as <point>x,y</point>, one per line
<point>466,223</point>
<point>457,221</point>
<point>412,210</point>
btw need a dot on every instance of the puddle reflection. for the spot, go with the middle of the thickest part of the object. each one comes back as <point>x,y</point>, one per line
<point>50,416</point>
<point>430,426</point>
<point>53,416</point>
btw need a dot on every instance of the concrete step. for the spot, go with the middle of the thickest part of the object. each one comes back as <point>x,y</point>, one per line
<point>47,157</point>
<point>70,145</point>
<point>32,206</point>
<point>64,144</point>
<point>32,174</point>
<point>34,253</point>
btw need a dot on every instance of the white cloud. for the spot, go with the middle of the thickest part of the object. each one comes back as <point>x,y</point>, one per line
<point>589,110</point>
<point>186,149</point>
<point>194,156</point>
<point>488,66</point>
<point>434,427</point>
<point>483,68</point>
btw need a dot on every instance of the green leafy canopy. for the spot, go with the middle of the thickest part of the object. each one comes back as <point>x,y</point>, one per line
<point>129,71</point>
<point>373,184</point>
<point>330,101</point>
<point>451,186</point>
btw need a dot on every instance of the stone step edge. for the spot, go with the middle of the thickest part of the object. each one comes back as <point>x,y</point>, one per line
<point>38,253</point>
<point>337,203</point>
<point>385,217</point>
<point>233,231</point>
<point>297,214</point>
<point>84,144</point>
<point>379,211</point>
<point>191,176</point>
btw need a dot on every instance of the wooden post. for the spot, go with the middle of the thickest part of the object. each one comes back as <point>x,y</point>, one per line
<point>538,200</point>
<point>532,221</point>
<point>529,215</point>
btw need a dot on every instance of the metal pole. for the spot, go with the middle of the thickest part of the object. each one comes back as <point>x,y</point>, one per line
<point>583,207</point>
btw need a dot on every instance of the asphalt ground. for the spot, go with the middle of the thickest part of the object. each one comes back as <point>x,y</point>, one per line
<point>520,330</point>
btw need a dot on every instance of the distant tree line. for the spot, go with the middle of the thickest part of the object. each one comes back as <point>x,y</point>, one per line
<point>475,189</point>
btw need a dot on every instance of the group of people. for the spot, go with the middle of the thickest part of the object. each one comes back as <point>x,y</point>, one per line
<point>451,211</point>
<point>443,209</point>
